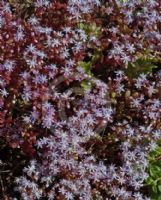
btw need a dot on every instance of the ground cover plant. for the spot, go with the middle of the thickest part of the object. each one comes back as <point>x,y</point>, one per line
<point>80,90</point>
<point>154,172</point>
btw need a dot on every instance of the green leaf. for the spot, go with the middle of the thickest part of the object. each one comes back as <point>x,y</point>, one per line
<point>90,29</point>
<point>154,169</point>
<point>86,85</point>
<point>139,66</point>
<point>86,66</point>
<point>152,172</point>
<point>159,188</point>
<point>154,188</point>
<point>150,181</point>
<point>113,94</point>
<point>159,198</point>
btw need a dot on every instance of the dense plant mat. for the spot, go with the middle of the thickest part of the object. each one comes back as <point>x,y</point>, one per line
<point>80,100</point>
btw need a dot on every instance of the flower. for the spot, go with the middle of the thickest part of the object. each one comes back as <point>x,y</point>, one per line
<point>4,92</point>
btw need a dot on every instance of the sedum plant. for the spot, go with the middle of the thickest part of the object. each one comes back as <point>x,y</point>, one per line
<point>154,170</point>
<point>67,100</point>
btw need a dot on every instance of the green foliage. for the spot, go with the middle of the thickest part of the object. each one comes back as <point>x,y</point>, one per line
<point>91,30</point>
<point>154,170</point>
<point>141,65</point>
<point>86,85</point>
<point>86,66</point>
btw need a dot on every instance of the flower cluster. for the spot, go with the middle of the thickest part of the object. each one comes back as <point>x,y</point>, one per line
<point>87,132</point>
